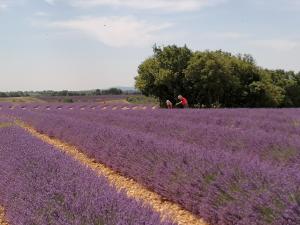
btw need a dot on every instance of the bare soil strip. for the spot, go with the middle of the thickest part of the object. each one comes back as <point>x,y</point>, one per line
<point>133,189</point>
<point>2,217</point>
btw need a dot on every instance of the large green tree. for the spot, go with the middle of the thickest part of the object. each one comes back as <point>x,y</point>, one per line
<point>219,78</point>
<point>215,78</point>
<point>163,75</point>
<point>293,92</point>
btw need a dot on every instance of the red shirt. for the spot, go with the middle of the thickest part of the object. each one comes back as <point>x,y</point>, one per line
<point>184,101</point>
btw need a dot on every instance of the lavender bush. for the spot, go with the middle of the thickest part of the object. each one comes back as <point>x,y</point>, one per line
<point>277,142</point>
<point>40,185</point>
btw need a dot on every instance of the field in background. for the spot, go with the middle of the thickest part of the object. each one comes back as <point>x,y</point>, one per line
<point>21,100</point>
<point>113,99</point>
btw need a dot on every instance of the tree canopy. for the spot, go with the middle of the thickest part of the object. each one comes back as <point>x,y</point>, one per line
<point>213,78</point>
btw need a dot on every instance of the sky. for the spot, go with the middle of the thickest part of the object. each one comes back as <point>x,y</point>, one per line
<point>89,44</point>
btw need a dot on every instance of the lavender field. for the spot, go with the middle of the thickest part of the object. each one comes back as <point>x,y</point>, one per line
<point>40,185</point>
<point>227,166</point>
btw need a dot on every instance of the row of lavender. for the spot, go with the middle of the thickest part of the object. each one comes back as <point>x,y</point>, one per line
<point>266,133</point>
<point>40,185</point>
<point>269,120</point>
<point>223,187</point>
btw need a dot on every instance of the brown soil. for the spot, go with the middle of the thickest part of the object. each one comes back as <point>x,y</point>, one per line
<point>2,217</point>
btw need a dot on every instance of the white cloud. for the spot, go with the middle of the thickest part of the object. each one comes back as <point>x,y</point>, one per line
<point>50,2</point>
<point>115,31</point>
<point>276,44</point>
<point>164,5</point>
<point>8,4</point>
<point>41,13</point>
<point>3,5</point>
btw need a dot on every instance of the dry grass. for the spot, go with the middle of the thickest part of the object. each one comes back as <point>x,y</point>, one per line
<point>117,101</point>
<point>296,123</point>
<point>6,124</point>
<point>133,189</point>
<point>20,100</point>
<point>2,217</point>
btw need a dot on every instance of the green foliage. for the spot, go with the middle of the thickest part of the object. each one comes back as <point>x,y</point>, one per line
<point>14,94</point>
<point>215,78</point>
<point>98,92</point>
<point>68,100</point>
<point>293,92</point>
<point>3,94</point>
<point>112,91</point>
<point>141,99</point>
<point>163,74</point>
<point>6,124</point>
<point>268,215</point>
<point>66,93</point>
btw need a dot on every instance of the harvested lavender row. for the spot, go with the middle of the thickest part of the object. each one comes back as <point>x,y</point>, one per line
<point>40,185</point>
<point>75,106</point>
<point>221,187</point>
<point>85,99</point>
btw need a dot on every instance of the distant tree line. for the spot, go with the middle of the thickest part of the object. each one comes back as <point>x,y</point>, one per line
<point>111,91</point>
<point>215,78</point>
<point>14,94</point>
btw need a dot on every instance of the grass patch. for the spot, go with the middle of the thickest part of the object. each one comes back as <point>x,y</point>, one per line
<point>209,178</point>
<point>224,198</point>
<point>282,154</point>
<point>68,100</point>
<point>6,124</point>
<point>295,197</point>
<point>268,215</point>
<point>296,123</point>
<point>20,99</point>
<point>140,100</point>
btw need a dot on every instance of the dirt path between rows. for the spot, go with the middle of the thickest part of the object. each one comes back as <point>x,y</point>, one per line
<point>133,189</point>
<point>2,217</point>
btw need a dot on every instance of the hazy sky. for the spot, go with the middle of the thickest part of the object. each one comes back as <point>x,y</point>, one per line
<point>87,44</point>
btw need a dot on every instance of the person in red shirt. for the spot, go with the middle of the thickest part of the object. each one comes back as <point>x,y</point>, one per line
<point>183,102</point>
